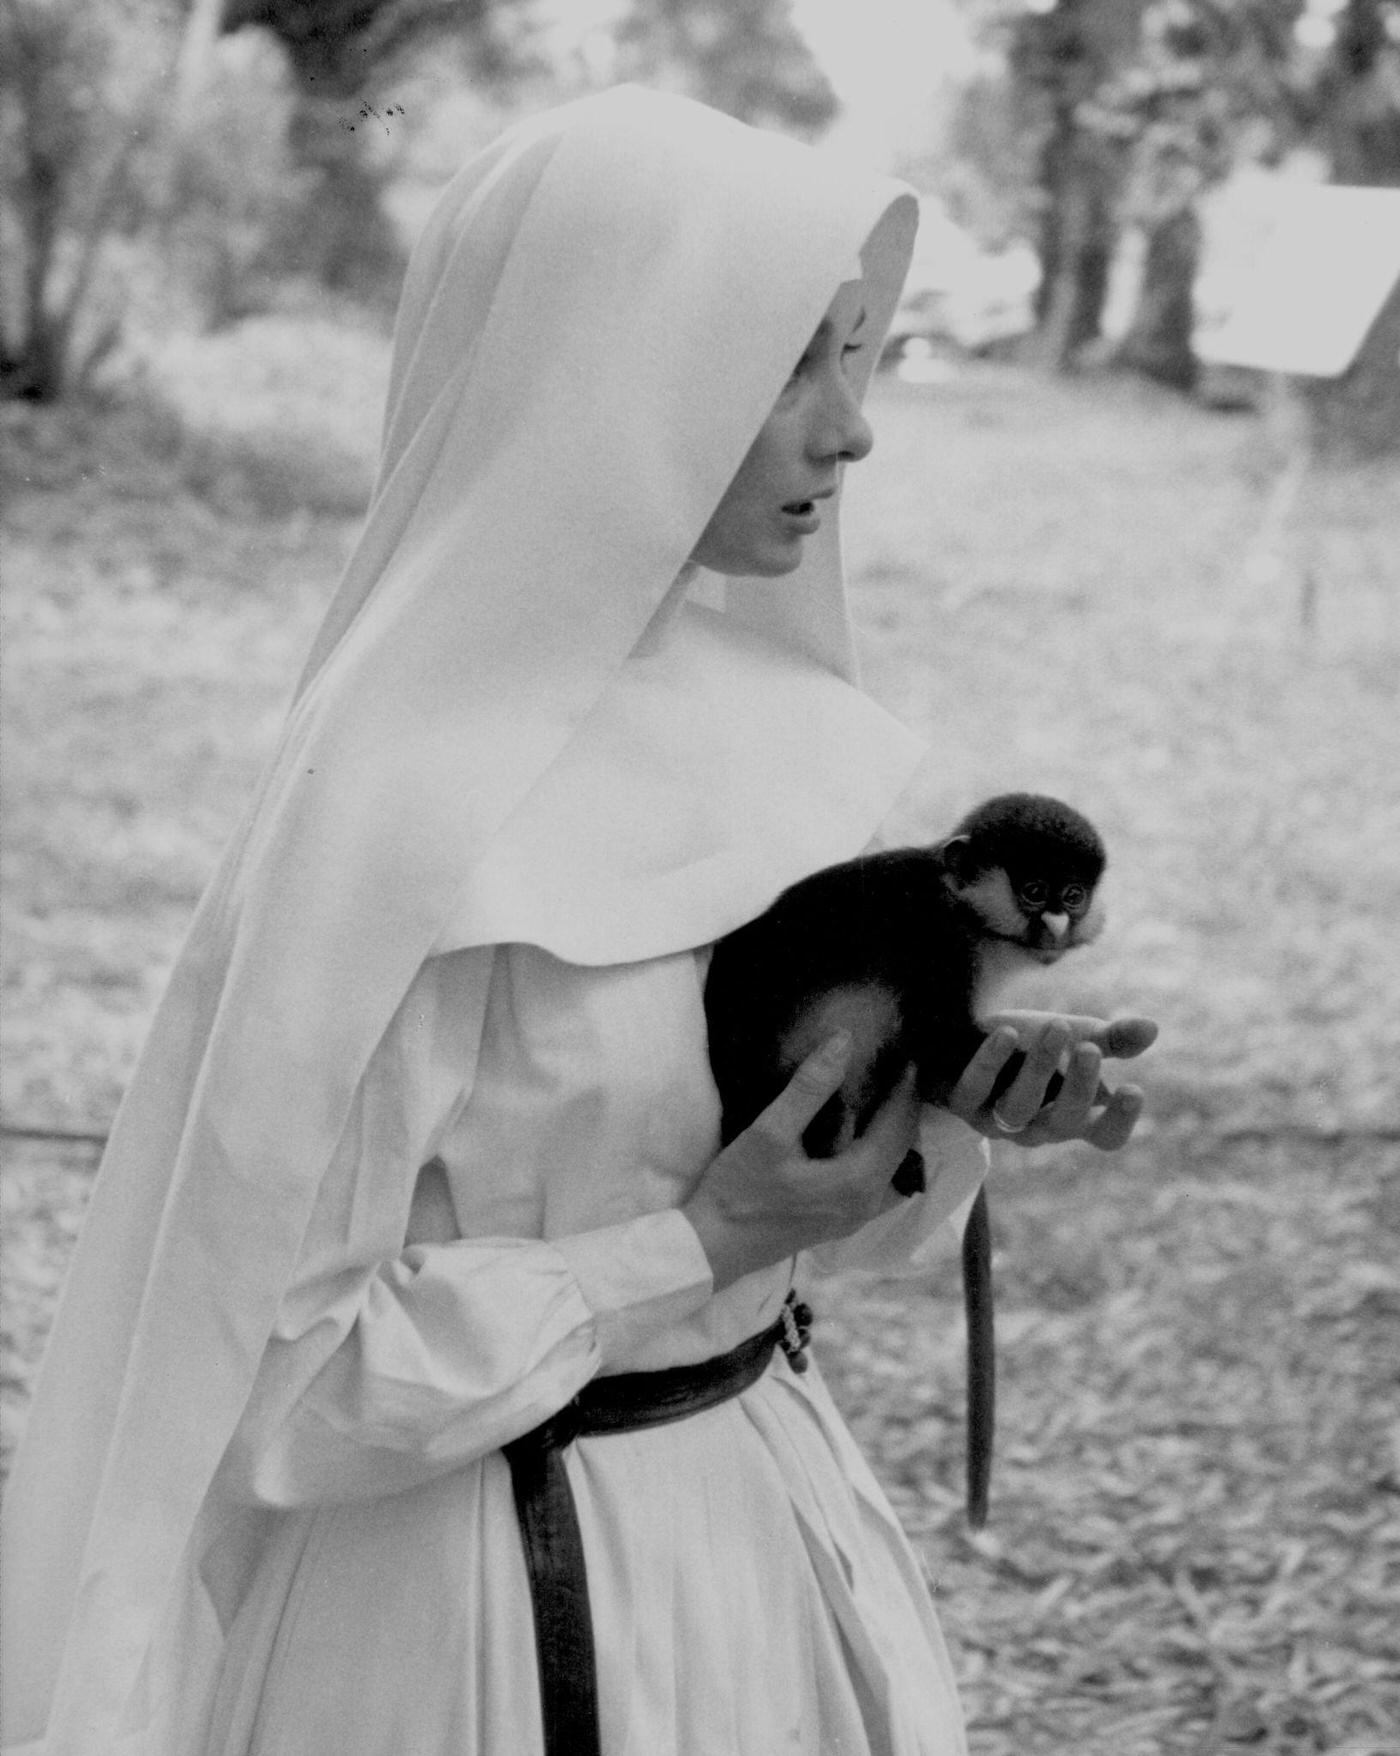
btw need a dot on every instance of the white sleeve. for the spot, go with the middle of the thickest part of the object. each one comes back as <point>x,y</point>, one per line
<point>913,1237</point>
<point>393,1363</point>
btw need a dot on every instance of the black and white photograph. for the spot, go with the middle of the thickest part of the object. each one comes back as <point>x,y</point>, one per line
<point>701,867</point>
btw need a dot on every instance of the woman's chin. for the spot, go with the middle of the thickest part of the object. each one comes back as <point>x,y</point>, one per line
<point>772,565</point>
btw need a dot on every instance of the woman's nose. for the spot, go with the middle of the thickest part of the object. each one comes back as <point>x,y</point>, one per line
<point>862,437</point>
<point>844,435</point>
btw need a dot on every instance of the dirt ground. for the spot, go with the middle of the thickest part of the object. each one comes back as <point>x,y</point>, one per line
<point>1195,1537</point>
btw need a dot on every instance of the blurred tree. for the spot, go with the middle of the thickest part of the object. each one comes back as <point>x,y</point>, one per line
<point>118,120</point>
<point>232,209</point>
<point>345,56</point>
<point>1210,82</point>
<point>335,44</point>
<point>1127,109</point>
<point>78,111</point>
<point>745,57</point>
<point>130,123</point>
<point>1356,94</point>
<point>1060,57</point>
<point>1357,104</point>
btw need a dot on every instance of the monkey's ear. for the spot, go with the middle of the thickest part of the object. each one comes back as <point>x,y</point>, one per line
<point>953,857</point>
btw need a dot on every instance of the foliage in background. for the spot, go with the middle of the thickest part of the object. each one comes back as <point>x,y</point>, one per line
<point>347,59</point>
<point>143,189</point>
<point>236,221</point>
<point>337,45</point>
<point>80,112</point>
<point>1120,113</point>
<point>1195,1537</point>
<point>743,56</point>
<point>189,163</point>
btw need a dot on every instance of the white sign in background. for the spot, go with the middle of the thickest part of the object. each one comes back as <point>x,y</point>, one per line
<point>1326,258</point>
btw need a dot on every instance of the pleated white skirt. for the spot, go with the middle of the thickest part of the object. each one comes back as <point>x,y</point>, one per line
<point>752,1594</point>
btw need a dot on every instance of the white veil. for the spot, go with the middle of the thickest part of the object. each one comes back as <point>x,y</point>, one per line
<point>485,745</point>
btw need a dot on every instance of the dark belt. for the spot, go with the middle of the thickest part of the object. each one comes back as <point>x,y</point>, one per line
<point>549,1524</point>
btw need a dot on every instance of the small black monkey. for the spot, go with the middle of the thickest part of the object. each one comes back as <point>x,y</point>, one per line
<point>902,949</point>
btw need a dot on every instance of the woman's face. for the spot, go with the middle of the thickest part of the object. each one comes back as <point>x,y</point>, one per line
<point>793,466</point>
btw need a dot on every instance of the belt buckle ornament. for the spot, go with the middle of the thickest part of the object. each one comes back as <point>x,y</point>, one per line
<point>797,1332</point>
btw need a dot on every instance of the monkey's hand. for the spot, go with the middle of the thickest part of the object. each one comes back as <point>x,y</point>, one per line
<point>1056,1046</point>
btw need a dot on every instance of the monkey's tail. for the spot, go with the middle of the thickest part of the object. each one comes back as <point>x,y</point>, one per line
<point>981,1358</point>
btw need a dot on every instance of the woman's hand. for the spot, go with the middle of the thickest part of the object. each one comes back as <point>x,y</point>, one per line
<point>1075,1047</point>
<point>762,1200</point>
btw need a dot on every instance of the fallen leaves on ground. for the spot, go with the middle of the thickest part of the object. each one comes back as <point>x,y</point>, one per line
<point>1194,1547</point>
<point>1194,1544</point>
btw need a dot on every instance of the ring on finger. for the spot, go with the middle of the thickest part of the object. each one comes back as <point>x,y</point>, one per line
<point>1009,1127</point>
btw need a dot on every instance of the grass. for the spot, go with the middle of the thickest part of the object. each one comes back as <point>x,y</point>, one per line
<point>1195,1542</point>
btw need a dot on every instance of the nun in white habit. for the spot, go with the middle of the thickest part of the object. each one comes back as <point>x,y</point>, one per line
<point>262,1507</point>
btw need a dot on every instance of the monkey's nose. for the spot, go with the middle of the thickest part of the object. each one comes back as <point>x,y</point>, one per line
<point>1058,924</point>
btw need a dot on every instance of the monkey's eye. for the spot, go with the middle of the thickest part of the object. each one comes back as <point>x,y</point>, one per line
<point>1035,893</point>
<point>1074,896</point>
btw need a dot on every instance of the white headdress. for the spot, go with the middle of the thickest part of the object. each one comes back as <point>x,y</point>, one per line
<point>493,740</point>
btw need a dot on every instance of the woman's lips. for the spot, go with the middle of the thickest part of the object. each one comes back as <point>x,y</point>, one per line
<point>802,516</point>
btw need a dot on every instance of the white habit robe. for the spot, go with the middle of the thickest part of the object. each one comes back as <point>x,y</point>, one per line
<point>523,783</point>
<point>751,1588</point>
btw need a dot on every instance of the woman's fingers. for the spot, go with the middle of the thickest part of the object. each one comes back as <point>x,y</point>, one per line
<point>974,1088</point>
<point>1072,1104</point>
<point>1112,1127</point>
<point>1120,1038</point>
<point>1033,1110</point>
<point>1125,1037</point>
<point>1019,1105</point>
<point>762,1198</point>
<point>785,1120</point>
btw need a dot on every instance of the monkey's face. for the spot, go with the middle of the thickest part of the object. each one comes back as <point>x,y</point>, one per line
<point>1028,867</point>
<point>1042,914</point>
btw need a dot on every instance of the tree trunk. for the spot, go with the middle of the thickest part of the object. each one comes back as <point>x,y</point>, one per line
<point>33,367</point>
<point>1358,414</point>
<point>344,238</point>
<point>1076,245</point>
<point>1158,342</point>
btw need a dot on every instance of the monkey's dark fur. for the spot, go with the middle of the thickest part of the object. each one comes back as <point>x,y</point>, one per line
<point>900,949</point>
